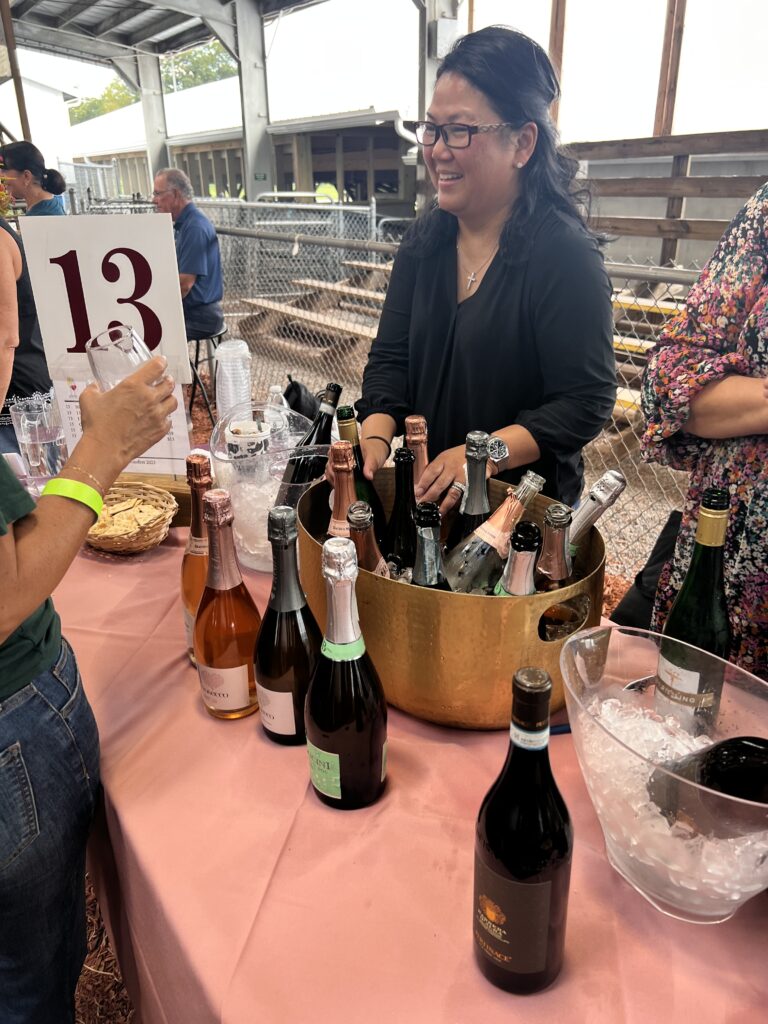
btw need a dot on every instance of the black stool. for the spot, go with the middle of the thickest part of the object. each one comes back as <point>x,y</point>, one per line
<point>211,344</point>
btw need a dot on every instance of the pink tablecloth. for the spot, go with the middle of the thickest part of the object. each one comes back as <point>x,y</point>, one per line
<point>233,895</point>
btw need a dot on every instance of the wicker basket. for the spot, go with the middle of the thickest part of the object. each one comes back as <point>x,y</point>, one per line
<point>136,537</point>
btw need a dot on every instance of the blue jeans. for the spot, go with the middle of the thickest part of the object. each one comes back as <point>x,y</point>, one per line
<point>8,442</point>
<point>49,780</point>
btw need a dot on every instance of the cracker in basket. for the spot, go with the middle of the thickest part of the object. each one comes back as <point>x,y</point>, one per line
<point>146,513</point>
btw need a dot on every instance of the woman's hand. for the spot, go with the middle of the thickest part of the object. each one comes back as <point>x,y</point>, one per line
<point>444,470</point>
<point>375,454</point>
<point>130,418</point>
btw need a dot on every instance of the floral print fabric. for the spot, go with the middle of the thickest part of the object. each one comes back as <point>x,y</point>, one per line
<point>723,330</point>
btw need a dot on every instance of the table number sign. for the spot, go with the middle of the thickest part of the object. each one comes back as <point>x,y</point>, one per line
<point>91,272</point>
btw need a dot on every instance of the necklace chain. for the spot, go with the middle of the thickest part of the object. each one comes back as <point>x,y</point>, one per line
<point>472,275</point>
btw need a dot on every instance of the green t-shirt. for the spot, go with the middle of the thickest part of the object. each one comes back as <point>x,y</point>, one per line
<point>34,646</point>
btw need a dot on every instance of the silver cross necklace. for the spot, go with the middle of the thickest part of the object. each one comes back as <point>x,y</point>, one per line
<point>472,275</point>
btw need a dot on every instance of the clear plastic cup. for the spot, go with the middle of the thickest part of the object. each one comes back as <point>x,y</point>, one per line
<point>40,435</point>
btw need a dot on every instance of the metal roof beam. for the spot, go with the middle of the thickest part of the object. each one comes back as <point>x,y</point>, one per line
<point>128,69</point>
<point>182,41</point>
<point>74,11</point>
<point>43,32</point>
<point>127,13</point>
<point>21,10</point>
<point>155,28</point>
<point>204,9</point>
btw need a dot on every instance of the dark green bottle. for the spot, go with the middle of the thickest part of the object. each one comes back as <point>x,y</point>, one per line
<point>364,489</point>
<point>400,541</point>
<point>688,686</point>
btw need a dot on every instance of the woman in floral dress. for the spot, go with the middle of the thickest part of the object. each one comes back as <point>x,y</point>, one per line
<point>705,401</point>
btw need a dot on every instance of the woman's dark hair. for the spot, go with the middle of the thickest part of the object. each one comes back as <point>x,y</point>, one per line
<point>518,80</point>
<point>23,156</point>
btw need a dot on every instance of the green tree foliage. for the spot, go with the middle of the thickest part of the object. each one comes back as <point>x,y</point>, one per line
<point>207,63</point>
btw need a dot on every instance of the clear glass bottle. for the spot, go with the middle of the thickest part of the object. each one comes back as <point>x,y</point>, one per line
<point>227,621</point>
<point>475,507</point>
<point>346,713</point>
<point>476,565</point>
<point>194,564</point>
<point>342,463</point>
<point>523,849</point>
<point>364,488</point>
<point>601,496</point>
<point>400,542</point>
<point>687,686</point>
<point>369,556</point>
<point>288,644</point>
<point>428,567</point>
<point>517,580</point>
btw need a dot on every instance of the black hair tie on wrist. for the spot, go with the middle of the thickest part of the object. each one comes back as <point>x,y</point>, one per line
<point>378,437</point>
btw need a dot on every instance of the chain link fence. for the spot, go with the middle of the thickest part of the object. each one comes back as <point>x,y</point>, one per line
<point>87,181</point>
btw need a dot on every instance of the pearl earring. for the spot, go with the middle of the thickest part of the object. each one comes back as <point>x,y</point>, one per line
<point>519,165</point>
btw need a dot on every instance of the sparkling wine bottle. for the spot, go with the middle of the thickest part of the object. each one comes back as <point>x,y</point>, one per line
<point>364,488</point>
<point>342,462</point>
<point>302,469</point>
<point>554,566</point>
<point>601,496</point>
<point>369,556</point>
<point>475,507</point>
<point>517,580</point>
<point>400,542</point>
<point>194,564</point>
<point>476,565</point>
<point>227,620</point>
<point>428,566</point>
<point>416,440</point>
<point>346,713</point>
<point>688,686</point>
<point>288,644</point>
<point>523,847</point>
<point>736,767</point>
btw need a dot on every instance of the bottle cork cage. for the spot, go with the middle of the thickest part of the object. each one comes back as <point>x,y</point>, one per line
<point>449,658</point>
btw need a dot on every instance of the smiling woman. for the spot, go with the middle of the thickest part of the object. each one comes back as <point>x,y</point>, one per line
<point>498,314</point>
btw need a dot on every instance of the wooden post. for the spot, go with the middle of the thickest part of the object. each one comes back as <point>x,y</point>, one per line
<point>556,39</point>
<point>10,42</point>
<point>681,166</point>
<point>470,15</point>
<point>670,67</point>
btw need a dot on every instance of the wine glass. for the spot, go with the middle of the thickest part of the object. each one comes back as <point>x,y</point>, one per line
<point>115,353</point>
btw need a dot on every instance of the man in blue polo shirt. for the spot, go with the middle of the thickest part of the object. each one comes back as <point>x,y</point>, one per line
<point>197,254</point>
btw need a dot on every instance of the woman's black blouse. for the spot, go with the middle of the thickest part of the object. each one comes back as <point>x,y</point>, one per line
<point>533,345</point>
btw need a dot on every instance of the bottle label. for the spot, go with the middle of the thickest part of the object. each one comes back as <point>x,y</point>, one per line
<point>338,528</point>
<point>189,627</point>
<point>499,591</point>
<point>343,652</point>
<point>677,692</point>
<point>496,538</point>
<point>324,771</point>
<point>529,739</point>
<point>511,920</point>
<point>196,545</point>
<point>277,712</point>
<point>224,689</point>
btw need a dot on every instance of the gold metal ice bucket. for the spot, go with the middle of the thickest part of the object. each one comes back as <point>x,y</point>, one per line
<point>449,658</point>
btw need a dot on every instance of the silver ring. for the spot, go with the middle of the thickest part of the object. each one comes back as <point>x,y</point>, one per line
<point>460,487</point>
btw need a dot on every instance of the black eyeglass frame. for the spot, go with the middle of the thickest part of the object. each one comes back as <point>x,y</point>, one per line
<point>440,131</point>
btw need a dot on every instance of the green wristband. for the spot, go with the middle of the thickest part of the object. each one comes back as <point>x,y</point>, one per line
<point>62,487</point>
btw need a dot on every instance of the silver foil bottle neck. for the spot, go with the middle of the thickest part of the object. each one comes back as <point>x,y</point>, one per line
<point>477,445</point>
<point>281,525</point>
<point>339,559</point>
<point>607,489</point>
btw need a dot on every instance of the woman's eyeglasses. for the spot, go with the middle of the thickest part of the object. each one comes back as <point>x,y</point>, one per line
<point>455,136</point>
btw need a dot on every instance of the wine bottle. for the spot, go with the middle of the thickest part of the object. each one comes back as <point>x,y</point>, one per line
<point>688,685</point>
<point>517,580</point>
<point>601,496</point>
<point>369,556</point>
<point>194,564</point>
<point>364,488</point>
<point>554,566</point>
<point>736,767</point>
<point>523,847</point>
<point>400,542</point>
<point>476,565</point>
<point>416,440</point>
<point>428,567</point>
<point>288,644</point>
<point>303,469</point>
<point>475,507</point>
<point>346,713</point>
<point>342,463</point>
<point>227,620</point>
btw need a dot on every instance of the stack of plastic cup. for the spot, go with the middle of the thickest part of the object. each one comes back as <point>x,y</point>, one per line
<point>233,375</point>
